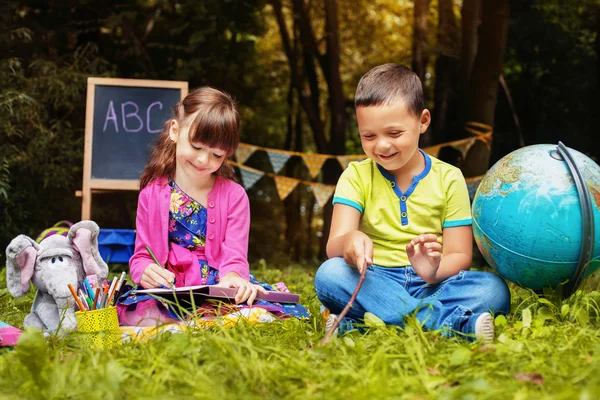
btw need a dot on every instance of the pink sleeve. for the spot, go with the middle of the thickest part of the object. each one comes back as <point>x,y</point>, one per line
<point>140,259</point>
<point>237,231</point>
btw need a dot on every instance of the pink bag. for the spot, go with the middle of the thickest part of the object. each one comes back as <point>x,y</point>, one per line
<point>9,335</point>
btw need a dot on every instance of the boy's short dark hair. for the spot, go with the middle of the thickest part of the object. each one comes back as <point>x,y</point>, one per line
<point>387,83</point>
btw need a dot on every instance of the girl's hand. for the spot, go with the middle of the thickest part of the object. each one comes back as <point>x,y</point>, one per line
<point>358,250</point>
<point>246,290</point>
<point>425,253</point>
<point>155,275</point>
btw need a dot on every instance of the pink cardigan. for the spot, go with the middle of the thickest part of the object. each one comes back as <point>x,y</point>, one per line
<point>227,231</point>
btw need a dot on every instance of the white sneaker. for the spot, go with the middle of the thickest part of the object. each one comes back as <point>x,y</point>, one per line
<point>484,327</point>
<point>329,322</point>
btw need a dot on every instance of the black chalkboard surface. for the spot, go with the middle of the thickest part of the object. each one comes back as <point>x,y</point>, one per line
<point>127,121</point>
<point>123,120</point>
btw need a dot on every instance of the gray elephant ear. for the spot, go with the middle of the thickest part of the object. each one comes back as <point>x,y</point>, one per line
<point>84,238</point>
<point>21,255</point>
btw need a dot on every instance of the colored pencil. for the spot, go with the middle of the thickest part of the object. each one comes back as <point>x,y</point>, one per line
<point>76,298</point>
<point>104,296</point>
<point>95,300</point>
<point>116,289</point>
<point>88,288</point>
<point>111,291</point>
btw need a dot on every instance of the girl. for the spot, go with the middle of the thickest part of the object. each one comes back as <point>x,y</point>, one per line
<point>190,213</point>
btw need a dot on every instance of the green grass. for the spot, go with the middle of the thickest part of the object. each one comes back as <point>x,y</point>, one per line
<point>547,348</point>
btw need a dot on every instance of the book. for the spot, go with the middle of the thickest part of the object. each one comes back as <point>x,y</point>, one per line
<point>215,292</point>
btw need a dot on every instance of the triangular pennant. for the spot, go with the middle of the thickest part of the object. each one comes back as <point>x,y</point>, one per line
<point>479,129</point>
<point>322,192</point>
<point>432,150</point>
<point>486,139</point>
<point>345,160</point>
<point>249,177</point>
<point>244,151</point>
<point>285,186</point>
<point>314,162</point>
<point>463,146</point>
<point>278,159</point>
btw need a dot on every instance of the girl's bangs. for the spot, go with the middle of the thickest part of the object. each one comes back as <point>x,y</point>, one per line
<point>216,128</point>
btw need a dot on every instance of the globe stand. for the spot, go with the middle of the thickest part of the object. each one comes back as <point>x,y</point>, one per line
<point>587,218</point>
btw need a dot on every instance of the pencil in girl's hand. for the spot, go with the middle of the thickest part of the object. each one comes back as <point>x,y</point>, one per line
<point>153,256</point>
<point>157,263</point>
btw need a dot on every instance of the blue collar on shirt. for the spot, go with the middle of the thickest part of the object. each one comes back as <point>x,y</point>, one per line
<point>404,196</point>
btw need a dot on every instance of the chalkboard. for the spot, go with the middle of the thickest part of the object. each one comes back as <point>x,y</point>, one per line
<point>123,119</point>
<point>127,121</point>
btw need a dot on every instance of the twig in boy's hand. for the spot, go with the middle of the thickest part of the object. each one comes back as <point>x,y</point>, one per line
<point>347,308</point>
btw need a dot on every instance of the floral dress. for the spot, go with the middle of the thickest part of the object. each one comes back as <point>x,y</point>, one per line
<point>187,228</point>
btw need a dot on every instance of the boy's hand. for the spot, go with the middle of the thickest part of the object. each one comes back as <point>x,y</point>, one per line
<point>425,253</point>
<point>155,275</point>
<point>246,290</point>
<point>358,250</point>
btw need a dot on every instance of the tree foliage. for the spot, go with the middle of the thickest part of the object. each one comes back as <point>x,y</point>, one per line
<point>51,47</point>
<point>551,69</point>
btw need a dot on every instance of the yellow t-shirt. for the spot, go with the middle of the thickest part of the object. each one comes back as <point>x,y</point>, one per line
<point>438,198</point>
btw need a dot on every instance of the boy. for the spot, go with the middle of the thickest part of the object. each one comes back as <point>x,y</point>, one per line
<point>392,213</point>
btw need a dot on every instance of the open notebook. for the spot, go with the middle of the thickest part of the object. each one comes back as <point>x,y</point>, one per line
<point>216,292</point>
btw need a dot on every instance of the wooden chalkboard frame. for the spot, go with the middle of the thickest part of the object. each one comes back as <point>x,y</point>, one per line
<point>91,185</point>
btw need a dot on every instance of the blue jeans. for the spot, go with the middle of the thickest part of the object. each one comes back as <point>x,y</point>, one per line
<point>393,293</point>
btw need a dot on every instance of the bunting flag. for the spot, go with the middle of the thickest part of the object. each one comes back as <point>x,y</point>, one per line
<point>463,146</point>
<point>278,159</point>
<point>322,192</point>
<point>345,160</point>
<point>482,131</point>
<point>433,151</point>
<point>250,177</point>
<point>285,185</point>
<point>314,162</point>
<point>244,151</point>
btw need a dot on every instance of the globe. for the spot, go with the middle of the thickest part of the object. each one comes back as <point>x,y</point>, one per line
<point>527,216</point>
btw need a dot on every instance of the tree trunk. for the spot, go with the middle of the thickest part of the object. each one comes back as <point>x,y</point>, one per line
<point>446,72</point>
<point>337,139</point>
<point>487,66</point>
<point>483,86</point>
<point>311,110</point>
<point>471,10</point>
<point>294,227</point>
<point>420,47</point>
<point>308,97</point>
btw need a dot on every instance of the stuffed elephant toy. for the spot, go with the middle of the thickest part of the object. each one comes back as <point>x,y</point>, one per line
<point>51,265</point>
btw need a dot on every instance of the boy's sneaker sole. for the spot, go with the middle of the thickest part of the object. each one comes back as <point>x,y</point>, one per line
<point>484,328</point>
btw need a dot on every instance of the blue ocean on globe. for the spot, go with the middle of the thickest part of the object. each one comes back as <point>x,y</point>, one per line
<point>527,218</point>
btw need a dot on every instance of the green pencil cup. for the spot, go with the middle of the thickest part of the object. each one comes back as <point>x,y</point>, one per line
<point>100,328</point>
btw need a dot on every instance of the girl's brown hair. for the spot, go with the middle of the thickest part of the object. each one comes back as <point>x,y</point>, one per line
<point>213,120</point>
